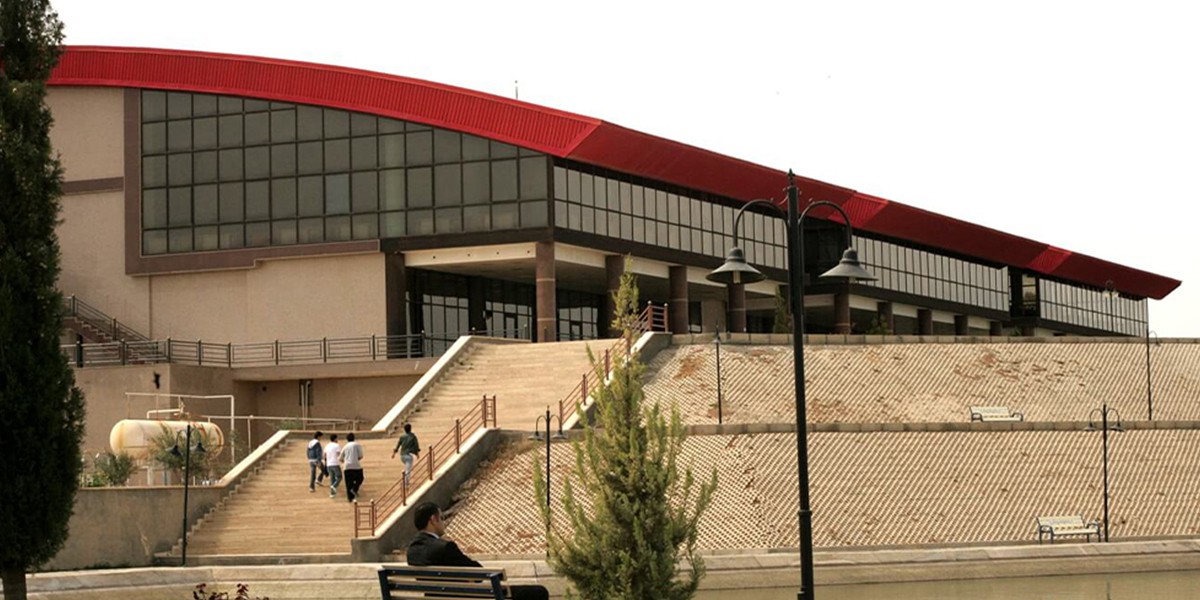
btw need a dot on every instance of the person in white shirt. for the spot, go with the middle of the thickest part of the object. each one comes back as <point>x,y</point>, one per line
<point>332,450</point>
<point>352,456</point>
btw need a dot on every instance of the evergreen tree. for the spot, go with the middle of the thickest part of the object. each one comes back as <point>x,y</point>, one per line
<point>783,312</point>
<point>42,411</point>
<point>633,510</point>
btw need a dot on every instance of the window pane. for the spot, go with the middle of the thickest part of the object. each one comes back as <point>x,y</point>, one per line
<point>154,208</point>
<point>309,158</point>
<point>233,236</point>
<point>258,162</point>
<point>474,148</point>
<point>231,202</point>
<point>154,171</point>
<point>154,138</point>
<point>204,167</point>
<point>420,187</point>
<point>337,124</point>
<point>283,232</point>
<point>419,148</point>
<point>337,229</point>
<point>390,126</point>
<point>283,160</point>
<point>504,180</point>
<point>311,192</point>
<point>258,200</point>
<point>311,231</point>
<point>363,153</point>
<point>502,150</point>
<point>447,146</point>
<point>364,192</point>
<point>283,126</point>
<point>477,218</point>
<point>533,179</point>
<point>253,105</point>
<point>420,222</point>
<point>179,169</point>
<point>391,189</point>
<point>449,220</point>
<point>258,234</point>
<point>391,150</point>
<point>179,240</point>
<point>179,136</point>
<point>447,185</point>
<point>231,165</point>
<point>308,123</point>
<point>283,198</point>
<point>179,105</point>
<point>258,128</point>
<point>206,238</point>
<point>504,216</point>
<point>154,106</point>
<point>476,183</point>
<point>337,195</point>
<point>337,155</point>
<point>204,198</point>
<point>392,224</point>
<point>536,214</point>
<point>179,206</point>
<point>230,131</point>
<point>154,242</point>
<point>361,124</point>
<point>203,104</point>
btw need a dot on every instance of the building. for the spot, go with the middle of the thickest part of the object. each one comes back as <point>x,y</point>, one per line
<point>239,199</point>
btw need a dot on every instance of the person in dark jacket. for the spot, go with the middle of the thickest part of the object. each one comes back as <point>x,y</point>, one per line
<point>431,549</point>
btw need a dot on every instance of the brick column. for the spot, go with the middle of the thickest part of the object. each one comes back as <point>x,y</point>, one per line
<point>547,302</point>
<point>737,308</point>
<point>924,321</point>
<point>886,316</point>
<point>679,299</point>
<point>614,267</point>
<point>841,312</point>
<point>961,325</point>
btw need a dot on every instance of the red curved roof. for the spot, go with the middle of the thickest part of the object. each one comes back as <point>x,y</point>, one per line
<point>566,135</point>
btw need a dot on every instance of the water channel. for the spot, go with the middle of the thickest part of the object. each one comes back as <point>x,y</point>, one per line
<point>1164,585</point>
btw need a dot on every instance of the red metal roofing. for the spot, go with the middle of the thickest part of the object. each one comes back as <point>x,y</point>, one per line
<point>566,135</point>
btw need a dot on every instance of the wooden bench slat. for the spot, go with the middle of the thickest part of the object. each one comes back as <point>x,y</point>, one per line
<point>452,582</point>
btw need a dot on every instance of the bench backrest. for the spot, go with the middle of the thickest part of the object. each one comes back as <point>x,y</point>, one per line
<point>991,413</point>
<point>441,582</point>
<point>1065,522</point>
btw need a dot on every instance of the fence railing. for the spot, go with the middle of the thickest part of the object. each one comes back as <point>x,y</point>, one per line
<point>109,326</point>
<point>653,318</point>
<point>367,516</point>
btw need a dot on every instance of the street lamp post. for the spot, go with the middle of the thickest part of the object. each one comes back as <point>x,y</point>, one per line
<point>720,416</point>
<point>736,271</point>
<point>187,477</point>
<point>537,435</point>
<point>1104,412</point>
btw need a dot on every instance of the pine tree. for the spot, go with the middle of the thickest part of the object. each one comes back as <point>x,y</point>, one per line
<point>634,511</point>
<point>41,408</point>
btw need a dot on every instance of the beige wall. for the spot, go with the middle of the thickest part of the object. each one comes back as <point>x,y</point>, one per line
<point>88,131</point>
<point>287,299</point>
<point>366,399</point>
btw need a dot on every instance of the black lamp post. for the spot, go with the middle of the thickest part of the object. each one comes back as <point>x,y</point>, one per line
<point>187,477</point>
<point>537,435</point>
<point>1104,412</point>
<point>736,271</point>
<point>720,417</point>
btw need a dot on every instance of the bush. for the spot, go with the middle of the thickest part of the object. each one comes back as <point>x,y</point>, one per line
<point>110,469</point>
<point>162,452</point>
<point>243,593</point>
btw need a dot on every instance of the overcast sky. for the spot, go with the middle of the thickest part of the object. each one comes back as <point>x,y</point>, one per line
<point>1072,123</point>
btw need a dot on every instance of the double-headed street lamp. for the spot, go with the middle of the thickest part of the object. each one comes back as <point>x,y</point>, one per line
<point>186,453</point>
<point>1110,420</point>
<point>537,436</point>
<point>736,271</point>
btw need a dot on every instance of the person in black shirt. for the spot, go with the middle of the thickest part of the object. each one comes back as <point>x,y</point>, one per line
<point>430,549</point>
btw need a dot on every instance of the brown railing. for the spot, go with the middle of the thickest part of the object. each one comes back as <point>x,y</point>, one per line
<point>368,515</point>
<point>653,318</point>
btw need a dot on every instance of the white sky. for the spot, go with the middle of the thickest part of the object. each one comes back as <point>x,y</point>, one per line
<point>1074,123</point>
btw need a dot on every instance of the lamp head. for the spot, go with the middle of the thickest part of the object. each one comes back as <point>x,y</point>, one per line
<point>537,436</point>
<point>849,268</point>
<point>175,451</point>
<point>735,271</point>
<point>200,446</point>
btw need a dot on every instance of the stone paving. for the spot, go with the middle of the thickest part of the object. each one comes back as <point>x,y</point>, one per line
<point>905,383</point>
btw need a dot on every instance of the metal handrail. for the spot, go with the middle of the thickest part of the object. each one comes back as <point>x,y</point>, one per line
<point>97,319</point>
<point>652,318</point>
<point>367,516</point>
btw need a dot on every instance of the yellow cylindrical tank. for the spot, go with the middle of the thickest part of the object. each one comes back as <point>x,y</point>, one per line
<point>133,435</point>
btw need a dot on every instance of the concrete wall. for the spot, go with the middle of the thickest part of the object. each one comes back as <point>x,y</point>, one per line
<point>126,526</point>
<point>366,399</point>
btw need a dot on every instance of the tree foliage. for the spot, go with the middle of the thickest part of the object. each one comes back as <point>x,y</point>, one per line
<point>633,509</point>
<point>625,301</point>
<point>783,313</point>
<point>43,411</point>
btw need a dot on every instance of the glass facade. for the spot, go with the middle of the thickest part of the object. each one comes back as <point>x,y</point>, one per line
<point>921,273</point>
<point>617,208</point>
<point>1086,307</point>
<point>222,172</point>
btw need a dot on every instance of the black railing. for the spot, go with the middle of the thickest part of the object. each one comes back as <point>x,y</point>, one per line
<point>95,318</point>
<point>253,354</point>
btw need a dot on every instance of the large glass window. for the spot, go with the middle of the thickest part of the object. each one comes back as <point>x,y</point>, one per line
<point>256,166</point>
<point>923,273</point>
<point>1090,307</point>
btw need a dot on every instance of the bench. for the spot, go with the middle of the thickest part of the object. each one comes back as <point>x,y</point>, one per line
<point>995,413</point>
<point>1067,525</point>
<point>396,583</point>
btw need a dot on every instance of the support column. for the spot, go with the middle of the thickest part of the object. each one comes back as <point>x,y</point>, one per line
<point>395,287</point>
<point>924,321</point>
<point>887,316</point>
<point>546,302</point>
<point>679,299</point>
<point>476,320</point>
<point>996,328</point>
<point>614,267</point>
<point>841,313</point>
<point>1028,330</point>
<point>737,308</point>
<point>961,325</point>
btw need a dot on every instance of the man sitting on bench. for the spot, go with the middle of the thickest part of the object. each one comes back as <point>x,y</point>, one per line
<point>430,549</point>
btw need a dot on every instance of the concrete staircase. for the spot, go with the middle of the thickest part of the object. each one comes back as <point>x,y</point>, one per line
<point>525,378</point>
<point>272,513</point>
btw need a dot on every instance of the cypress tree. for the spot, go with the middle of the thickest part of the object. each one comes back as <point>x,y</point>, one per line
<point>634,511</point>
<point>41,409</point>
